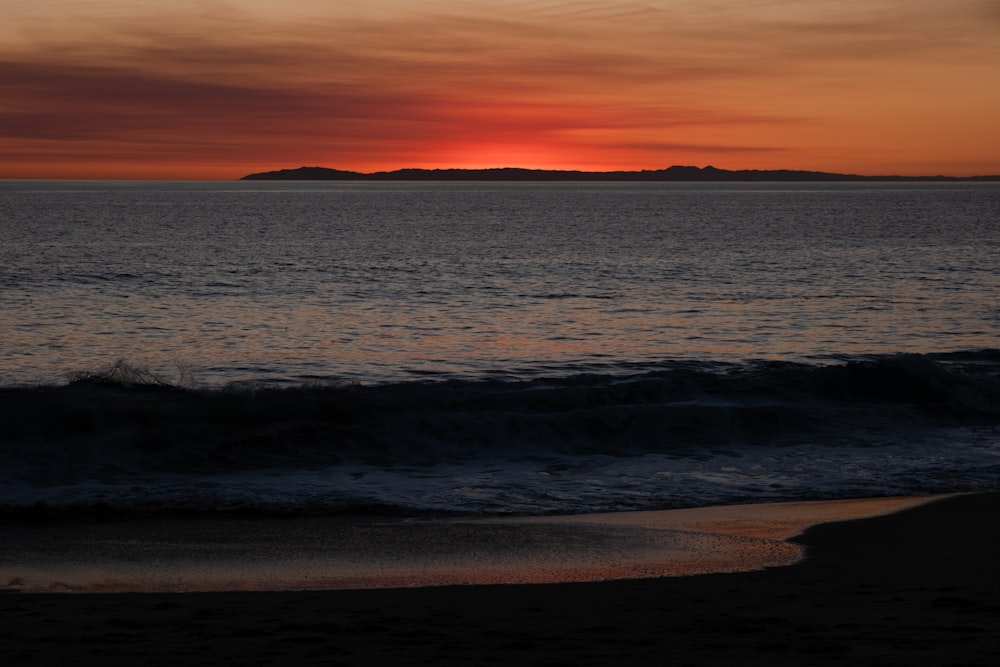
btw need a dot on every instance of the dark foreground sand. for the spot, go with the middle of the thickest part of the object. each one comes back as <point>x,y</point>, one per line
<point>921,587</point>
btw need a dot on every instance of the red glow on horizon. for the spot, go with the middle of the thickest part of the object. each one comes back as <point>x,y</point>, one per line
<point>90,92</point>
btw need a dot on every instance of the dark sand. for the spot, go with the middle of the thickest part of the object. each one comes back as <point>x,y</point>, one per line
<point>920,587</point>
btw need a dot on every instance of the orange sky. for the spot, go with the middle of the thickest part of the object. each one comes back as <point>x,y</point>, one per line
<point>213,89</point>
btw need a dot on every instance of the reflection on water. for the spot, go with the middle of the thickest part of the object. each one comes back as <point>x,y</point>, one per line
<point>298,281</point>
<point>330,554</point>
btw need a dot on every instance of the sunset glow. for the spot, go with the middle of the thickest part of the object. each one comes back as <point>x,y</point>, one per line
<point>213,89</point>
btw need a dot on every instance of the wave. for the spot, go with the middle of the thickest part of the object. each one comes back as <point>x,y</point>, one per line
<point>123,427</point>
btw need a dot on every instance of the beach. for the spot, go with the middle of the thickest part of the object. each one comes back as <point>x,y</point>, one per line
<point>402,423</point>
<point>914,587</point>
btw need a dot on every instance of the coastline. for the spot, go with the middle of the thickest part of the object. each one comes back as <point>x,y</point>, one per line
<point>672,174</point>
<point>917,586</point>
<point>190,555</point>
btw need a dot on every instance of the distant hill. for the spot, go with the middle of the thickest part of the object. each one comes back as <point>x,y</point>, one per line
<point>675,173</point>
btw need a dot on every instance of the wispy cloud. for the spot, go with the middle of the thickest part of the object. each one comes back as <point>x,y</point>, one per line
<point>391,81</point>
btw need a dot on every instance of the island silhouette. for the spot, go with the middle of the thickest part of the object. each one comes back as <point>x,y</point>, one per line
<point>674,173</point>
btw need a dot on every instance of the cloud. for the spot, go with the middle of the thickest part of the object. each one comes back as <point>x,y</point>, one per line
<point>391,81</point>
<point>454,79</point>
<point>81,101</point>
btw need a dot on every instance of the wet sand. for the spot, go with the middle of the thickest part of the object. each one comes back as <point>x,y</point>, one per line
<point>327,553</point>
<point>917,587</point>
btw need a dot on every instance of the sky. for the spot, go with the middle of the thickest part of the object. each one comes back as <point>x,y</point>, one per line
<point>215,90</point>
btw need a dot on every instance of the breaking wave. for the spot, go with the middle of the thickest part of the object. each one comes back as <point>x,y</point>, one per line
<point>122,439</point>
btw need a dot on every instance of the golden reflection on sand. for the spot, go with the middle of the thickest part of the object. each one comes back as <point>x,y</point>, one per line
<point>771,521</point>
<point>329,553</point>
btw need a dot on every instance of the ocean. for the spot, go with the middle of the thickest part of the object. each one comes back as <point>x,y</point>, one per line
<point>482,349</point>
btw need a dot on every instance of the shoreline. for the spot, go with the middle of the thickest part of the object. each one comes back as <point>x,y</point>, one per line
<point>317,553</point>
<point>673,174</point>
<point>916,587</point>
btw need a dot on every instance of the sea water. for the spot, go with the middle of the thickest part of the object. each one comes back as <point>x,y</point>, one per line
<point>485,348</point>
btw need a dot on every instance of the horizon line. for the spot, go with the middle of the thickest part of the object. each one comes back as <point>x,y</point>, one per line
<point>680,172</point>
<point>274,174</point>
